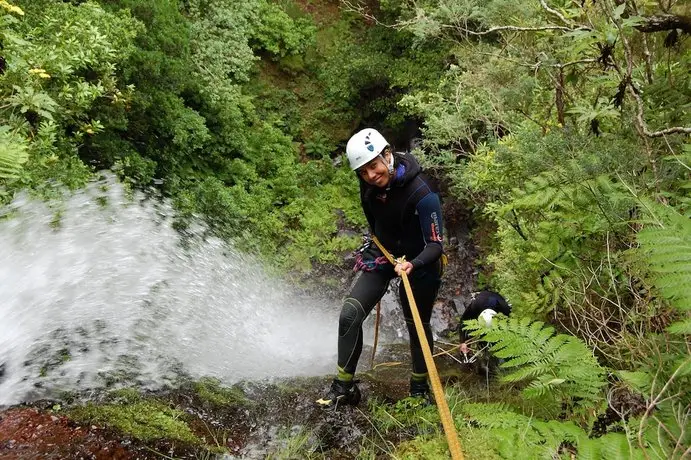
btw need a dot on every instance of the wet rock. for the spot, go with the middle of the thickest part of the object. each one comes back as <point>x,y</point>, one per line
<point>444,318</point>
<point>265,422</point>
<point>32,433</point>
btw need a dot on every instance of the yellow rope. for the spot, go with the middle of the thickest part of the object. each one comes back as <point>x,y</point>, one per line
<point>437,390</point>
<point>376,335</point>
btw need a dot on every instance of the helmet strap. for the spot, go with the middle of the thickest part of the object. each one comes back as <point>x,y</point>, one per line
<point>389,165</point>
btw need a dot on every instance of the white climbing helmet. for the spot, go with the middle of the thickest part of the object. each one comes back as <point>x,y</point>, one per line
<point>364,146</point>
<point>485,318</point>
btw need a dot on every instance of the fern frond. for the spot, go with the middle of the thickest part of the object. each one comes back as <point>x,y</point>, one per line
<point>13,153</point>
<point>495,415</point>
<point>668,250</point>
<point>588,449</point>
<point>527,372</point>
<point>612,446</point>
<point>681,327</point>
<point>554,344</point>
<point>517,435</point>
<point>550,364</point>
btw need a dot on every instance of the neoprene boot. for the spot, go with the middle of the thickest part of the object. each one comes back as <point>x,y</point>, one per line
<point>419,388</point>
<point>341,393</point>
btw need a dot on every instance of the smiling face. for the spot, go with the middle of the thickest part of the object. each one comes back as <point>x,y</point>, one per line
<point>376,172</point>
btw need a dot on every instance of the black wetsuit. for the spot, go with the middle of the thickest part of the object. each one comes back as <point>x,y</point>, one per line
<point>482,301</point>
<point>407,219</point>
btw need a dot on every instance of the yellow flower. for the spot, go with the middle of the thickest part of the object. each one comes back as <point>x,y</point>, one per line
<point>11,8</point>
<point>40,72</point>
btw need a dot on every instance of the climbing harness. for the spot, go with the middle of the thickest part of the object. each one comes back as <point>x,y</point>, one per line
<point>437,390</point>
<point>368,258</point>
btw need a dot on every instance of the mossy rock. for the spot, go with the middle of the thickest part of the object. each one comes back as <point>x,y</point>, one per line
<point>423,448</point>
<point>211,391</point>
<point>143,419</point>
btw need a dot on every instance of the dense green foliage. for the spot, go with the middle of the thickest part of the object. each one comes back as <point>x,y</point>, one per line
<point>55,69</point>
<point>159,91</point>
<point>566,126</point>
<point>563,124</point>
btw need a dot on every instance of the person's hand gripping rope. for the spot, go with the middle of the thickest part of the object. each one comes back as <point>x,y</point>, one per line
<point>403,266</point>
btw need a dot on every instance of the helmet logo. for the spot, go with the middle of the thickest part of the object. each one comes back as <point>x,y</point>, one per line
<point>368,143</point>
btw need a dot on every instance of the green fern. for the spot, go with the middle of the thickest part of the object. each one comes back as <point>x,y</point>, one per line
<point>668,250</point>
<point>552,365</point>
<point>665,432</point>
<point>562,224</point>
<point>13,153</point>
<point>518,436</point>
<point>612,446</point>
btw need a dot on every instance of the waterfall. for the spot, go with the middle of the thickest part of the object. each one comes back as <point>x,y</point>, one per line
<point>102,290</point>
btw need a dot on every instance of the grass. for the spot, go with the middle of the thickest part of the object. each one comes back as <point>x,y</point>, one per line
<point>293,444</point>
<point>408,414</point>
<point>408,429</point>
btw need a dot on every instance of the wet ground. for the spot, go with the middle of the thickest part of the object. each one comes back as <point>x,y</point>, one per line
<point>29,432</point>
<point>203,419</point>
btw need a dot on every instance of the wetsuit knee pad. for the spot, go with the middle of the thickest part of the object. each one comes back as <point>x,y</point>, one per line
<point>352,314</point>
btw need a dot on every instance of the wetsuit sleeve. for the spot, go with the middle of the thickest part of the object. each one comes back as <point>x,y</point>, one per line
<point>429,212</point>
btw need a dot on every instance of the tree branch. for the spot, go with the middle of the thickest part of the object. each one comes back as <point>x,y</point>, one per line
<point>655,401</point>
<point>555,12</point>
<point>559,97</point>
<point>579,61</point>
<point>517,225</point>
<point>665,22</point>
<point>663,132</point>
<point>361,9</point>
<point>522,29</point>
<point>641,125</point>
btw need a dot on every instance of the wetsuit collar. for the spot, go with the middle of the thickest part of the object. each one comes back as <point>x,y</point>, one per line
<point>399,174</point>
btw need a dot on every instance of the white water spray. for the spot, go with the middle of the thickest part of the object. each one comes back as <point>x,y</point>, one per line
<point>113,295</point>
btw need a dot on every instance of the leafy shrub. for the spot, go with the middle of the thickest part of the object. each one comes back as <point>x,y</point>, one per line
<point>279,34</point>
<point>61,63</point>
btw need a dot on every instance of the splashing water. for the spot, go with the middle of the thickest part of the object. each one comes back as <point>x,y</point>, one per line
<point>113,294</point>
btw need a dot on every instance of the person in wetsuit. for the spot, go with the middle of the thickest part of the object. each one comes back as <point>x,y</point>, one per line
<point>483,304</point>
<point>481,301</point>
<point>403,211</point>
